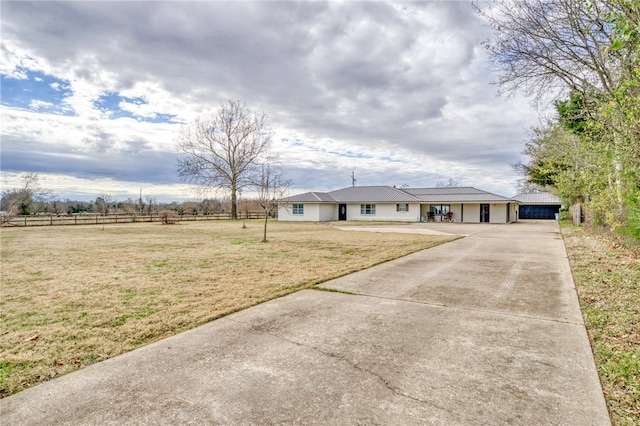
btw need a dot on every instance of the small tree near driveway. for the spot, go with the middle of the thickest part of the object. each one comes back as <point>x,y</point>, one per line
<point>270,184</point>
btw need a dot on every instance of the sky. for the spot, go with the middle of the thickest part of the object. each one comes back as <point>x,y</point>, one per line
<point>94,94</point>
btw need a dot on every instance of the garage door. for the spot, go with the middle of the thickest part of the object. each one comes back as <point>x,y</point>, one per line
<point>538,212</point>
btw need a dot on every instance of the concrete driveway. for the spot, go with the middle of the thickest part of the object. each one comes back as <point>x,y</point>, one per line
<point>480,331</point>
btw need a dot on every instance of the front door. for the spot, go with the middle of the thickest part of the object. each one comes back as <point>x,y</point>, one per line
<point>484,213</point>
<point>342,212</point>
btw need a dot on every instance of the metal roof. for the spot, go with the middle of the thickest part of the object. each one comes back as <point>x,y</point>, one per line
<point>445,190</point>
<point>309,197</point>
<point>464,198</point>
<point>460,194</point>
<point>537,198</point>
<point>379,194</point>
<point>389,194</point>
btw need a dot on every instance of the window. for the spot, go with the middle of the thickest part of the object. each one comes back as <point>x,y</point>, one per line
<point>367,209</point>
<point>402,207</point>
<point>298,209</point>
<point>440,208</point>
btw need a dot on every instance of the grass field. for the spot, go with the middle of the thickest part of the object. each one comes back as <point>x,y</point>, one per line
<point>75,295</point>
<point>72,296</point>
<point>607,278</point>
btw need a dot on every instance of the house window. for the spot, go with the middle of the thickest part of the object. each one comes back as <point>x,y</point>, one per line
<point>298,209</point>
<point>367,209</point>
<point>402,207</point>
<point>440,208</point>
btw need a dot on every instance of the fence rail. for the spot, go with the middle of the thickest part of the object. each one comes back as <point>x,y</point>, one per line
<point>98,219</point>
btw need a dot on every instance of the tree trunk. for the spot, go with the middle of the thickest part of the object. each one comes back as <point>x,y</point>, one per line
<point>234,204</point>
<point>266,217</point>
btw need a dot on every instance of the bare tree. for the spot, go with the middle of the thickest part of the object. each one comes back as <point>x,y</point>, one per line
<point>151,205</point>
<point>555,46</point>
<point>189,208</point>
<point>103,205</point>
<point>129,206</point>
<point>270,185</point>
<point>222,149</point>
<point>209,206</point>
<point>451,183</point>
<point>23,200</point>
<point>58,207</point>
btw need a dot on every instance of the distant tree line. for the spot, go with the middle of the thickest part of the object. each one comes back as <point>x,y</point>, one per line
<point>30,198</point>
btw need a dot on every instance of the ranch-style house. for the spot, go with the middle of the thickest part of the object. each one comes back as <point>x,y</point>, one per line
<point>387,203</point>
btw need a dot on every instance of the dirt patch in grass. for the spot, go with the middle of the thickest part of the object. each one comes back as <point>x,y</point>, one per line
<point>72,296</point>
<point>607,277</point>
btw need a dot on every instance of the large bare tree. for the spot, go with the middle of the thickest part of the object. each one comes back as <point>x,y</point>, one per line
<point>553,47</point>
<point>222,149</point>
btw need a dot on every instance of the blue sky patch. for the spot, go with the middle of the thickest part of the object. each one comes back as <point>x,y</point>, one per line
<point>350,154</point>
<point>39,92</point>
<point>111,102</point>
<point>161,118</point>
<point>394,160</point>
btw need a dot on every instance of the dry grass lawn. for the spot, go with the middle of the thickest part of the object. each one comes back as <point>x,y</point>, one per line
<point>75,295</point>
<point>607,278</point>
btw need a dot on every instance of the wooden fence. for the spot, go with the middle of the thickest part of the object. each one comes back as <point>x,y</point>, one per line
<point>98,219</point>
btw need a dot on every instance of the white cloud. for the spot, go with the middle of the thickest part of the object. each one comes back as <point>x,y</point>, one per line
<point>36,104</point>
<point>398,92</point>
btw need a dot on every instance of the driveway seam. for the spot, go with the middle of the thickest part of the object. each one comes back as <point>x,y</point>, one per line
<point>444,305</point>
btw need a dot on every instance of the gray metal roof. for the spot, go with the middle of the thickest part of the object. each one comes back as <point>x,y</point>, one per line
<point>309,197</point>
<point>445,190</point>
<point>379,194</point>
<point>389,194</point>
<point>460,194</point>
<point>537,198</point>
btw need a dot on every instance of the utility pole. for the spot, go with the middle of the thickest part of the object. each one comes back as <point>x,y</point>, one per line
<point>353,178</point>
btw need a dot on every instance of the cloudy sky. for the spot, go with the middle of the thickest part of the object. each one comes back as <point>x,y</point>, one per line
<point>94,93</point>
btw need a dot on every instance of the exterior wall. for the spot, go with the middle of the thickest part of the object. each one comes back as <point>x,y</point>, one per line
<point>326,212</point>
<point>472,213</point>
<point>513,213</point>
<point>384,212</point>
<point>457,212</point>
<point>311,212</point>
<point>497,213</point>
<point>467,213</point>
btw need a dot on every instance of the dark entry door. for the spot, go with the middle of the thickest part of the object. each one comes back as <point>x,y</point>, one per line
<point>484,213</point>
<point>342,212</point>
